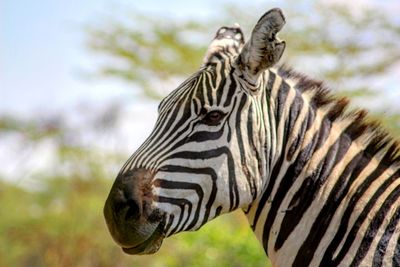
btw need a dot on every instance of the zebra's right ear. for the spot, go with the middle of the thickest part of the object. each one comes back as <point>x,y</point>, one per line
<point>264,49</point>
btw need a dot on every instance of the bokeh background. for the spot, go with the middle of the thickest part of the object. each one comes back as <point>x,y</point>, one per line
<point>79,86</point>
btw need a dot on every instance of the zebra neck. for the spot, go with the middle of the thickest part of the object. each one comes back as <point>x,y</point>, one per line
<point>287,120</point>
<point>323,162</point>
<point>306,145</point>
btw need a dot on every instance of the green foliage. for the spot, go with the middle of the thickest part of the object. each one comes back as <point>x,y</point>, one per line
<point>152,50</point>
<point>359,47</point>
<point>62,225</point>
<point>390,121</point>
<point>336,44</point>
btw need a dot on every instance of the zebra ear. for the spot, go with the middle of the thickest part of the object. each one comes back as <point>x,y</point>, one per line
<point>264,49</point>
<point>226,40</point>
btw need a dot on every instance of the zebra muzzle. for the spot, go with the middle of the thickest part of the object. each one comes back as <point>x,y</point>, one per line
<point>131,220</point>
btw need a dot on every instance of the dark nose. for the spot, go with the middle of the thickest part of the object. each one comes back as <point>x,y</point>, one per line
<point>128,206</point>
<point>125,197</point>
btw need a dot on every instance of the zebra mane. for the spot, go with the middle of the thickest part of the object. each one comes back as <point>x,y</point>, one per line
<point>361,124</point>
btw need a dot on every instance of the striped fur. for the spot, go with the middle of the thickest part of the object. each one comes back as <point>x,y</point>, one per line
<point>332,197</point>
<point>319,184</point>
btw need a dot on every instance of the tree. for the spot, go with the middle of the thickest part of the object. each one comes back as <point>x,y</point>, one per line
<point>350,52</point>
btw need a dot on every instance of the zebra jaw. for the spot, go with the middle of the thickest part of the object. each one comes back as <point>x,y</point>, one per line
<point>149,246</point>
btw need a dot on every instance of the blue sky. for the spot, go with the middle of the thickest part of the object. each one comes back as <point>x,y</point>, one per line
<point>43,59</point>
<point>41,50</point>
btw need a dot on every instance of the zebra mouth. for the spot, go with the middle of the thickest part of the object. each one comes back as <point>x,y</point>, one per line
<point>150,245</point>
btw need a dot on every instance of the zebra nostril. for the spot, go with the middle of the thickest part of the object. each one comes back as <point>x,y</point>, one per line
<point>134,210</point>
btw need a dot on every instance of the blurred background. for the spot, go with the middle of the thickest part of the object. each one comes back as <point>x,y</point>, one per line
<point>79,86</point>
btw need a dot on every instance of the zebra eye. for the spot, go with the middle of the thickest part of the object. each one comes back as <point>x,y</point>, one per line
<point>213,118</point>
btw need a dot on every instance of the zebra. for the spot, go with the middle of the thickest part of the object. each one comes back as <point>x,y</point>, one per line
<point>319,183</point>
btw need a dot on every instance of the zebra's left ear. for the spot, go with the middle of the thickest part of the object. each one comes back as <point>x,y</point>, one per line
<point>264,49</point>
<point>226,40</point>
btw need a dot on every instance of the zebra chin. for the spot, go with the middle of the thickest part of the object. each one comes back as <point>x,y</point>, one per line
<point>135,225</point>
<point>150,245</point>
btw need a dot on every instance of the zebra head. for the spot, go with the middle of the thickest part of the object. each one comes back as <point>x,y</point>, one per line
<point>202,158</point>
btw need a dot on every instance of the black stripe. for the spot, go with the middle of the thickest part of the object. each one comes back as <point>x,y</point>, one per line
<point>383,242</point>
<point>295,110</point>
<point>207,171</point>
<point>283,92</point>
<point>298,139</point>
<point>271,118</point>
<point>310,188</point>
<point>218,211</point>
<point>361,218</point>
<point>250,133</point>
<point>188,186</point>
<point>232,88</point>
<point>198,90</point>
<point>213,74</point>
<point>199,137</point>
<point>323,132</point>
<point>181,203</point>
<point>169,224</point>
<point>270,82</point>
<point>221,87</point>
<point>239,137</point>
<point>374,226</point>
<point>196,107</point>
<point>321,223</point>
<point>208,84</point>
<point>396,255</point>
<point>233,188</point>
<point>229,135</point>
